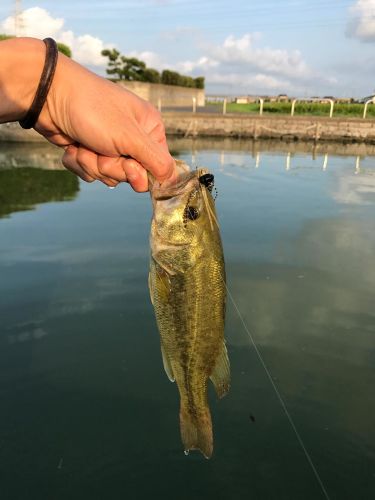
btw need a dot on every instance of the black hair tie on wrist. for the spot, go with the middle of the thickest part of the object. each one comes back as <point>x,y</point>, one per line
<point>33,113</point>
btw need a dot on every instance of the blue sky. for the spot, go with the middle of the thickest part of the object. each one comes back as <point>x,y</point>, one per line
<point>299,47</point>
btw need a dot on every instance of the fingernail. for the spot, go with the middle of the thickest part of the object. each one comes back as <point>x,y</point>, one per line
<point>111,187</point>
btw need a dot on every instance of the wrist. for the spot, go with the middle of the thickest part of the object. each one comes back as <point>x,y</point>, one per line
<point>21,66</point>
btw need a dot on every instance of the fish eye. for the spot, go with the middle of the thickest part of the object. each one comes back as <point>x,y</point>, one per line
<point>191,213</point>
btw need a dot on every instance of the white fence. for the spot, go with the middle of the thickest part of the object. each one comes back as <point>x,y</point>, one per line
<point>332,102</point>
<point>224,101</point>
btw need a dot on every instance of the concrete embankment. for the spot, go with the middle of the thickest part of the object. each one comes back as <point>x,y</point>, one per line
<point>299,128</point>
<point>270,127</point>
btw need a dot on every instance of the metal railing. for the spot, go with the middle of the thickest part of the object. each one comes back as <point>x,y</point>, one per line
<point>224,100</point>
<point>366,106</point>
<point>261,100</point>
<point>321,101</point>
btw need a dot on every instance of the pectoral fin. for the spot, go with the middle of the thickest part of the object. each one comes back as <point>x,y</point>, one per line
<point>167,364</point>
<point>158,283</point>
<point>220,375</point>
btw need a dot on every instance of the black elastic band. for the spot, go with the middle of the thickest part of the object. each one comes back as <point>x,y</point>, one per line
<point>32,115</point>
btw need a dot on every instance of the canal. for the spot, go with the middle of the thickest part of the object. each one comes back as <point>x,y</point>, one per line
<point>87,411</point>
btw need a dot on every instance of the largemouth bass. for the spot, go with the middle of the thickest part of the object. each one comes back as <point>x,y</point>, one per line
<point>187,288</point>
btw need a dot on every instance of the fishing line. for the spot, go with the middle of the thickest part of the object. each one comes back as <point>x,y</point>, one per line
<point>299,438</point>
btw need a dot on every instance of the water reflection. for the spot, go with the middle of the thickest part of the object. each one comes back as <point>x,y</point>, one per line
<point>22,154</point>
<point>195,145</point>
<point>230,159</point>
<point>23,188</point>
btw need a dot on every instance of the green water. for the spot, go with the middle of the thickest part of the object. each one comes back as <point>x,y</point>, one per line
<point>86,410</point>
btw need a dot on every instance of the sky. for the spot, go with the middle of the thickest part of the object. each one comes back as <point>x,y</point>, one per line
<point>299,47</point>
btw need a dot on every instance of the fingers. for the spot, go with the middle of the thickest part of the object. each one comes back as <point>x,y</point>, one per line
<point>69,160</point>
<point>84,163</point>
<point>90,166</point>
<point>136,175</point>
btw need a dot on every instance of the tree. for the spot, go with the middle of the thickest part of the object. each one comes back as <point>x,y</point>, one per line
<point>199,82</point>
<point>133,69</point>
<point>170,77</point>
<point>114,63</point>
<point>152,75</point>
<point>5,37</point>
<point>64,49</point>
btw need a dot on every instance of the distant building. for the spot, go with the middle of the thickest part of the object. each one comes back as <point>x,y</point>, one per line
<point>345,100</point>
<point>241,100</point>
<point>276,98</point>
<point>248,99</point>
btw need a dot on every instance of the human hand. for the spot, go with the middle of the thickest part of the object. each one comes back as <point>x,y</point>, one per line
<point>97,122</point>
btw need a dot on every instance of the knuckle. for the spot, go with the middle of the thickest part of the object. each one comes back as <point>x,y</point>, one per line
<point>81,156</point>
<point>155,115</point>
<point>104,167</point>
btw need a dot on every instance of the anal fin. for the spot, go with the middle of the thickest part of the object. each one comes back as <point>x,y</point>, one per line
<point>220,375</point>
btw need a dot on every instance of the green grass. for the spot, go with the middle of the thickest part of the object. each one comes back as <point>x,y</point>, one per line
<point>302,108</point>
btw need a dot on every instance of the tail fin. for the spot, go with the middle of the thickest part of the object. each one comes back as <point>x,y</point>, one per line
<point>196,431</point>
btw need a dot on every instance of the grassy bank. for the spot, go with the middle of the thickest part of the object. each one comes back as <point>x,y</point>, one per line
<point>303,108</point>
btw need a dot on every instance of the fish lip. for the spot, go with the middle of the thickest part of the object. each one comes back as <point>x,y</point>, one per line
<point>163,192</point>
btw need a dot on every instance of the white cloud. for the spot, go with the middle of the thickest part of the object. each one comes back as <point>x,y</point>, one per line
<point>240,62</point>
<point>35,22</point>
<point>361,23</point>
<point>243,51</point>
<point>151,59</point>
<point>39,23</point>
<point>86,48</point>
<point>258,81</point>
<point>204,64</point>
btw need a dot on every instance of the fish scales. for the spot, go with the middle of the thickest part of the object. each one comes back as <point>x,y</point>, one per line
<point>187,287</point>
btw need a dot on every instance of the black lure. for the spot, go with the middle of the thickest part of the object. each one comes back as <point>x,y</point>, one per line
<point>208,181</point>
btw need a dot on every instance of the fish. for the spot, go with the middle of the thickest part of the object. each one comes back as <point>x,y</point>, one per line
<point>188,293</point>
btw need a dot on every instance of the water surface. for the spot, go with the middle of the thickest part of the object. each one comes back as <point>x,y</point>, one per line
<point>87,411</point>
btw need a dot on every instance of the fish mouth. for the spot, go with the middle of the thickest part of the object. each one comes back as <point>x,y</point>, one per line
<point>162,191</point>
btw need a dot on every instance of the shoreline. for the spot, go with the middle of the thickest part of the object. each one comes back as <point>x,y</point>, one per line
<point>209,125</point>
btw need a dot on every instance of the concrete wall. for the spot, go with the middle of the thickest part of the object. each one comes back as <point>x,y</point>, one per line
<point>255,127</point>
<point>270,127</point>
<point>12,132</point>
<point>170,95</point>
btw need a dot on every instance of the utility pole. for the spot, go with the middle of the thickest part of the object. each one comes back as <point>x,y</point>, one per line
<point>18,19</point>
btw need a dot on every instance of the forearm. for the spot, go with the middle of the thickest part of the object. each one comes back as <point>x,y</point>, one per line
<point>21,65</point>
